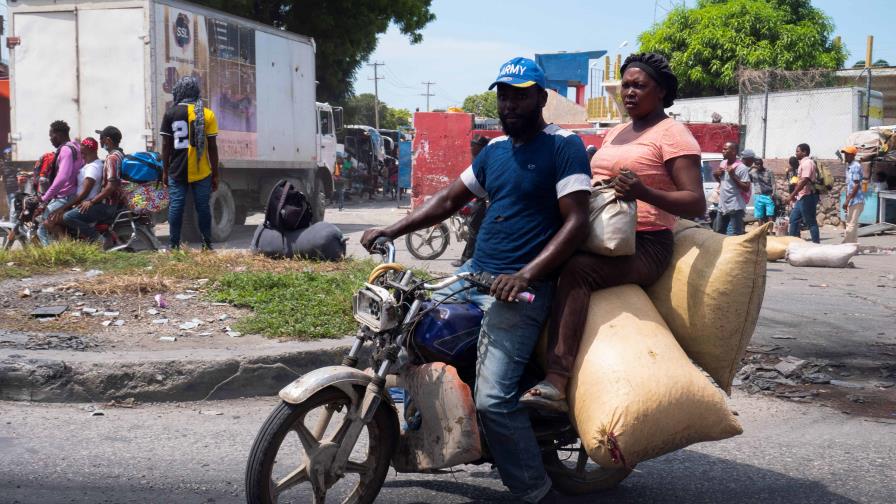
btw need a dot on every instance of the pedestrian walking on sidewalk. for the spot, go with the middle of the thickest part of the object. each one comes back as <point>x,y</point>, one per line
<point>734,189</point>
<point>764,189</point>
<point>190,159</point>
<point>804,197</point>
<point>855,198</point>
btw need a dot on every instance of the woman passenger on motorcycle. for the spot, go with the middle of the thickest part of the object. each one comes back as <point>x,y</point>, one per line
<point>656,161</point>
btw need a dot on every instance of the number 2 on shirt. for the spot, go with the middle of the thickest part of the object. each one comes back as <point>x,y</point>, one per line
<point>181,130</point>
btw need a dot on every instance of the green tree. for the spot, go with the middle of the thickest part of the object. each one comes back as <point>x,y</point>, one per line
<point>482,104</point>
<point>359,110</point>
<point>707,44</point>
<point>345,31</point>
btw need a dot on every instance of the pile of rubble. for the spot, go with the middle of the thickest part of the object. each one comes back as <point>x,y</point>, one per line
<point>784,376</point>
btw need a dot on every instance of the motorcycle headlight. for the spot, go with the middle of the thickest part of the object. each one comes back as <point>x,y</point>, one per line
<point>374,307</point>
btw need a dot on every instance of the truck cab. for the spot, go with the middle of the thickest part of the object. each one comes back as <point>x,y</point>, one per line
<point>329,122</point>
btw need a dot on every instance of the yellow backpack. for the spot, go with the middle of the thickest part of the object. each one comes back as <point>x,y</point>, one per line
<point>823,181</point>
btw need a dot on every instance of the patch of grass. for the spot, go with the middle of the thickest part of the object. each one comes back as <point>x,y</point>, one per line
<point>66,254</point>
<point>301,305</point>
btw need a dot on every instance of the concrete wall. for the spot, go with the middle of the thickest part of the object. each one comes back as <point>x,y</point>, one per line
<point>701,109</point>
<point>823,118</point>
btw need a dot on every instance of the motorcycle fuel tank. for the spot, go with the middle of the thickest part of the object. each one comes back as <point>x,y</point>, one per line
<point>449,334</point>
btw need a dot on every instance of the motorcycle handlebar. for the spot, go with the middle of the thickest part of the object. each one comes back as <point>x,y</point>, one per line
<point>384,247</point>
<point>483,281</point>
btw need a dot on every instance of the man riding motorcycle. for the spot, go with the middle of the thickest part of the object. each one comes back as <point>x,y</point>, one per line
<point>538,181</point>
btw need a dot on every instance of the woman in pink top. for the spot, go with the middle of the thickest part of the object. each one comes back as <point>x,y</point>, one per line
<point>655,161</point>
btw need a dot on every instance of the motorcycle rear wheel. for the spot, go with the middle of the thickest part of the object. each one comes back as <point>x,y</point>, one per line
<point>264,487</point>
<point>573,473</point>
<point>430,243</point>
<point>144,240</point>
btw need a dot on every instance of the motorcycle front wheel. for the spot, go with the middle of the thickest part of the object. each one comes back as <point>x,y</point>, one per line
<point>430,243</point>
<point>574,473</point>
<point>292,457</point>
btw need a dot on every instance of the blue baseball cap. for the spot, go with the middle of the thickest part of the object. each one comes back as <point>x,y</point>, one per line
<point>520,72</point>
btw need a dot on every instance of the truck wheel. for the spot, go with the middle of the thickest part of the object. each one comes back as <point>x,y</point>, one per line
<point>223,216</point>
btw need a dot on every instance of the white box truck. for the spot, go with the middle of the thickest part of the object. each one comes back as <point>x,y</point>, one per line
<point>101,62</point>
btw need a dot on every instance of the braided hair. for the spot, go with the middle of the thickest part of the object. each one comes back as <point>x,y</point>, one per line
<point>657,67</point>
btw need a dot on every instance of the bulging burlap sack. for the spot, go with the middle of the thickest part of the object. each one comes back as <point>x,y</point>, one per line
<point>776,246</point>
<point>711,295</point>
<point>634,394</point>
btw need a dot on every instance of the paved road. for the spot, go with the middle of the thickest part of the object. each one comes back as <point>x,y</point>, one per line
<point>353,220</point>
<point>170,453</point>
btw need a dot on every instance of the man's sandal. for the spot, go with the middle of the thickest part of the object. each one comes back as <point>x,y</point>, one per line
<point>548,398</point>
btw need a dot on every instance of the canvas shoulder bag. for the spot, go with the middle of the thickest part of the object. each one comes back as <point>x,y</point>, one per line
<point>612,222</point>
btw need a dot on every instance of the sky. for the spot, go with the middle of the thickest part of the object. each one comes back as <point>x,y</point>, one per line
<point>463,48</point>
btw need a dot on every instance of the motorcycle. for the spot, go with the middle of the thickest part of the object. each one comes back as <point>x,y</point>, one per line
<point>24,229</point>
<point>336,429</point>
<point>430,243</point>
<point>130,231</point>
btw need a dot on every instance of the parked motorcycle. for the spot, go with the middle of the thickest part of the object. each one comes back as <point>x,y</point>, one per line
<point>336,431</point>
<point>430,243</point>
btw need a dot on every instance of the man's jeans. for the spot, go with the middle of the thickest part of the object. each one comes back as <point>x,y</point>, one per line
<point>53,205</point>
<point>339,192</point>
<point>11,199</point>
<point>804,210</point>
<point>177,193</point>
<point>506,340</point>
<point>731,223</point>
<point>83,225</point>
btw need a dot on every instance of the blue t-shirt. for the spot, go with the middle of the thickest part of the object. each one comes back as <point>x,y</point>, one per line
<point>854,176</point>
<point>523,184</point>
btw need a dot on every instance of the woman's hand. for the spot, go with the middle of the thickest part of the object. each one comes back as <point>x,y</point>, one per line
<point>629,186</point>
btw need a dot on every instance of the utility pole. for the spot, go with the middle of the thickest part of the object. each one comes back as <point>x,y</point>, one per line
<point>427,94</point>
<point>376,92</point>
<point>868,50</point>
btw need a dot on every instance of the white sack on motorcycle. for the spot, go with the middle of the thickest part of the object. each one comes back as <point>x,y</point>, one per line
<point>711,295</point>
<point>634,394</point>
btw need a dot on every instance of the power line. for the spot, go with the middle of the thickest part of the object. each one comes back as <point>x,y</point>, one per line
<point>397,79</point>
<point>427,94</point>
<point>446,95</point>
<point>376,92</point>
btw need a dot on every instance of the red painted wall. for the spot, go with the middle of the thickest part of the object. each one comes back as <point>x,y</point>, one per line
<point>441,148</point>
<point>441,151</point>
<point>4,113</point>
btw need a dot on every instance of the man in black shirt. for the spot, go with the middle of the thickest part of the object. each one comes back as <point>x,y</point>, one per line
<point>190,159</point>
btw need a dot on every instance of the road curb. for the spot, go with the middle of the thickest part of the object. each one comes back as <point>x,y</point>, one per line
<point>75,378</point>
